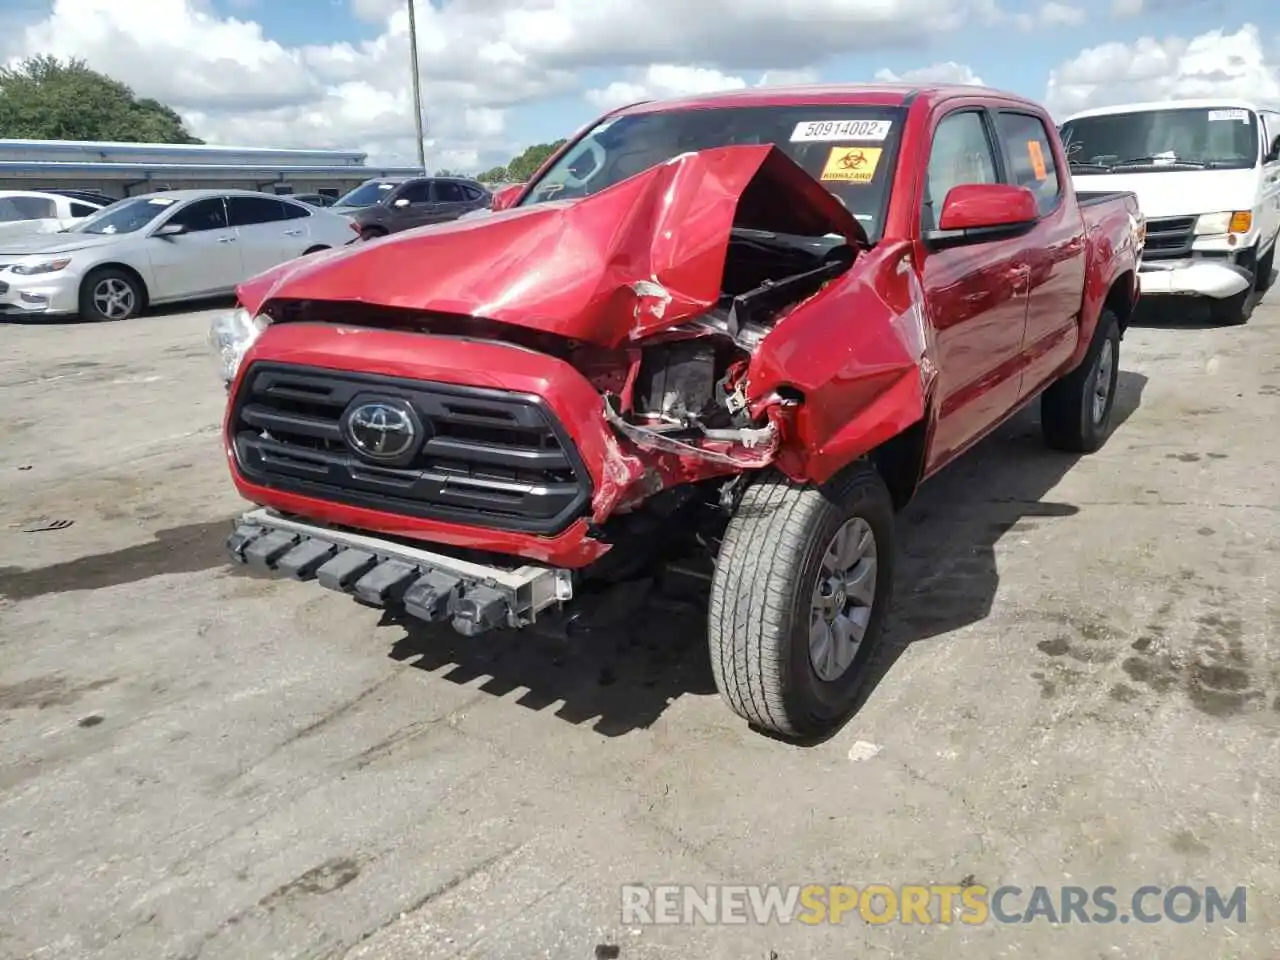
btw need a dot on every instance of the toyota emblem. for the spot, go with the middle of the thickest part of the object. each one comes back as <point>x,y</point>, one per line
<point>382,429</point>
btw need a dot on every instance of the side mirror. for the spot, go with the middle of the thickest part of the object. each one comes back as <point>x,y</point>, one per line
<point>980,212</point>
<point>400,204</point>
<point>171,230</point>
<point>506,197</point>
<point>1274,153</point>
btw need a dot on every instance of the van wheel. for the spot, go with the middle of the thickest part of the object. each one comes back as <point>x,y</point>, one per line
<point>110,294</point>
<point>802,585</point>
<point>1075,412</point>
<point>1262,278</point>
<point>1232,311</point>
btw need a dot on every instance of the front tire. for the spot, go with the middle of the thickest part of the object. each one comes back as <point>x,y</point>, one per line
<point>110,294</point>
<point>1264,269</point>
<point>1075,412</point>
<point>1232,311</point>
<point>801,588</point>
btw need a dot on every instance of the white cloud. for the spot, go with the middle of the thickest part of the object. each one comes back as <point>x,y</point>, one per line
<point>234,83</point>
<point>1213,64</point>
<point>661,81</point>
<point>949,72</point>
<point>1050,15</point>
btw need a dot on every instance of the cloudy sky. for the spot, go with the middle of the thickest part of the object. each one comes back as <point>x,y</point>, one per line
<point>501,74</point>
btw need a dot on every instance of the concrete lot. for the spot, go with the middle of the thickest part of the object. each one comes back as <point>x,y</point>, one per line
<point>1082,687</point>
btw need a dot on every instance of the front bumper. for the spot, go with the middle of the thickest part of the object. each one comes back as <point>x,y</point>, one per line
<point>430,586</point>
<point>49,294</point>
<point>1217,279</point>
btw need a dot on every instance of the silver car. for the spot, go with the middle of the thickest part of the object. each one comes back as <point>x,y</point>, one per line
<point>160,248</point>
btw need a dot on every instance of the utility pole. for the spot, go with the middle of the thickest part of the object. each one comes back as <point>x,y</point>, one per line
<point>417,88</point>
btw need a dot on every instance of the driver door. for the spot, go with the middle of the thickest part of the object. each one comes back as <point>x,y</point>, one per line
<point>412,206</point>
<point>202,261</point>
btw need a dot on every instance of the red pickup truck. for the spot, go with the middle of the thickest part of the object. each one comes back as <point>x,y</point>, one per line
<point>749,323</point>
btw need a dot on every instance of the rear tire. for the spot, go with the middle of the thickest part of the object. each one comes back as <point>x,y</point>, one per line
<point>782,584</point>
<point>315,249</point>
<point>1075,412</point>
<point>108,294</point>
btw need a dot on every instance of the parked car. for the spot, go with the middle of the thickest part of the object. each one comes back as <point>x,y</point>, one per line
<point>159,248</point>
<point>383,206</point>
<point>1207,177</point>
<point>315,199</point>
<point>95,197</point>
<point>750,324</point>
<point>25,212</point>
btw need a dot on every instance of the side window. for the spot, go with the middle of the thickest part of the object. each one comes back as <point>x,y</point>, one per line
<point>961,154</point>
<point>417,192</point>
<point>247,211</point>
<point>82,210</point>
<point>1031,162</point>
<point>449,192</point>
<point>294,211</point>
<point>473,193</point>
<point>206,214</point>
<point>1270,130</point>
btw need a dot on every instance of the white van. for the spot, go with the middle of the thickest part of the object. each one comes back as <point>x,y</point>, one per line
<point>1207,177</point>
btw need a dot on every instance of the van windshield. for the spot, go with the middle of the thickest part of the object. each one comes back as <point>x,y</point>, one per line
<point>850,150</point>
<point>1208,138</point>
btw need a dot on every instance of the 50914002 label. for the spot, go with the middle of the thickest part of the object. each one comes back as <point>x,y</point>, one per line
<point>818,131</point>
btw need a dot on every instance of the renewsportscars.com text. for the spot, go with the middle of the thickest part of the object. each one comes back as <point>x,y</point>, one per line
<point>929,904</point>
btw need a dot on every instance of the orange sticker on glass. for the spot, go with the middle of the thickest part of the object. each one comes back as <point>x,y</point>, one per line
<point>1037,159</point>
<point>852,164</point>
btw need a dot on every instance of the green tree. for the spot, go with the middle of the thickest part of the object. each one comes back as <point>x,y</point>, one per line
<point>524,166</point>
<point>42,98</point>
<point>444,172</point>
<point>493,175</point>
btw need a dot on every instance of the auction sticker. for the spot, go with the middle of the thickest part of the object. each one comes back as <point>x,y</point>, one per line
<point>1036,156</point>
<point>1240,115</point>
<point>819,131</point>
<point>852,164</point>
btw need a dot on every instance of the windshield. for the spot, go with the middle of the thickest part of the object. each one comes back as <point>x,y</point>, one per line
<point>1209,138</point>
<point>851,150</point>
<point>366,195</point>
<point>123,216</point>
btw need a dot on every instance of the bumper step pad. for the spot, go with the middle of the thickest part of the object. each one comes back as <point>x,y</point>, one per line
<point>429,587</point>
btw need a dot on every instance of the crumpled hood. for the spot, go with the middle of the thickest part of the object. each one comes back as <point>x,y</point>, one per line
<point>644,255</point>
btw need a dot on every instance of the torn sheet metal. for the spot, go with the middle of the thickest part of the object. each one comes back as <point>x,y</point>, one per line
<point>639,257</point>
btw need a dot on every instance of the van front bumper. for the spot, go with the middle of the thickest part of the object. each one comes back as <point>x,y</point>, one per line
<point>1217,279</point>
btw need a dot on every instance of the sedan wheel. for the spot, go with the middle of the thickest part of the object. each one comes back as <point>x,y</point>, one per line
<point>110,294</point>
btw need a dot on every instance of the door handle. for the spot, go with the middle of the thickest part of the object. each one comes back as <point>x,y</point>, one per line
<point>293,233</point>
<point>226,239</point>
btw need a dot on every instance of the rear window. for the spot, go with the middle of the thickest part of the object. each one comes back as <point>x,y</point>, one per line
<point>850,150</point>
<point>26,208</point>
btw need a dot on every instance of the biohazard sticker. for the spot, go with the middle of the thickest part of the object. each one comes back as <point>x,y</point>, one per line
<point>825,131</point>
<point>852,164</point>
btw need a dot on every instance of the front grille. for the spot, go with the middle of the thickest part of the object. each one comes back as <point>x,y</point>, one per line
<point>492,458</point>
<point>1169,238</point>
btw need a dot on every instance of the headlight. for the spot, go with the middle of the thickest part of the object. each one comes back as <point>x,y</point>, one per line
<point>1230,221</point>
<point>45,266</point>
<point>231,336</point>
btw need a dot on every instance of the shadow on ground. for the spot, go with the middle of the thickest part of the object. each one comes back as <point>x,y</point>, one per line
<point>624,676</point>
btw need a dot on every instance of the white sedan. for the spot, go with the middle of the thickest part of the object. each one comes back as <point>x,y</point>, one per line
<point>160,248</point>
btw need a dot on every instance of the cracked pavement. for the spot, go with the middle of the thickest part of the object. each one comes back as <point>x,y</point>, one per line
<point>1081,686</point>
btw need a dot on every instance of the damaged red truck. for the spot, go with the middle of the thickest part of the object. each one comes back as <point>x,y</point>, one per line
<point>748,324</point>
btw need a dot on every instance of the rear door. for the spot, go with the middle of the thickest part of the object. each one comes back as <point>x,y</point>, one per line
<point>259,226</point>
<point>976,295</point>
<point>203,260</point>
<point>1054,251</point>
<point>451,200</point>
